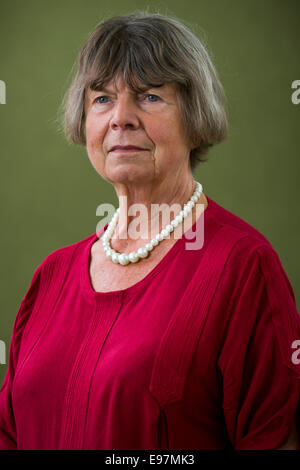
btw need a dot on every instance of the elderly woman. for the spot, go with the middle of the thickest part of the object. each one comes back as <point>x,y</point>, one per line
<point>179,335</point>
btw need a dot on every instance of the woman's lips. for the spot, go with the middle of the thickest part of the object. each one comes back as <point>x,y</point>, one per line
<point>127,150</point>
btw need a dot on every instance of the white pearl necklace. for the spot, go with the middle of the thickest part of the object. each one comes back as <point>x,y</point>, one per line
<point>143,252</point>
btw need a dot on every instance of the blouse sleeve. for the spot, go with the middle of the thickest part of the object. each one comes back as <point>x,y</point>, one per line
<point>8,435</point>
<point>259,361</point>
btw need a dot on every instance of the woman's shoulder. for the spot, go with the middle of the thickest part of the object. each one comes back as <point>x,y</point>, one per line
<point>225,218</point>
<point>47,276</point>
<point>64,255</point>
<point>253,253</point>
<point>251,242</point>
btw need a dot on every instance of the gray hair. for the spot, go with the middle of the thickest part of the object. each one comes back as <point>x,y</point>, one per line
<point>150,50</point>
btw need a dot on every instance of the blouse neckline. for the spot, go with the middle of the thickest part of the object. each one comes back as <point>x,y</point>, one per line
<point>85,280</point>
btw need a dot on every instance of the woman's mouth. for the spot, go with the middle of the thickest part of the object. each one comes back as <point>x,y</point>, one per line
<point>127,149</point>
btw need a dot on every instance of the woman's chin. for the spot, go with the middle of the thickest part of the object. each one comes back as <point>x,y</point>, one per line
<point>128,174</point>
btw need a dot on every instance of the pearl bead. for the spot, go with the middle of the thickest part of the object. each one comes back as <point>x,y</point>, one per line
<point>164,233</point>
<point>133,257</point>
<point>115,258</point>
<point>109,232</point>
<point>142,252</point>
<point>123,259</point>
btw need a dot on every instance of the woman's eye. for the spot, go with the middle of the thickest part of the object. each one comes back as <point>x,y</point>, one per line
<point>152,98</point>
<point>101,99</point>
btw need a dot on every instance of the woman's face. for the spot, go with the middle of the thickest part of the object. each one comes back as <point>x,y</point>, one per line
<point>150,123</point>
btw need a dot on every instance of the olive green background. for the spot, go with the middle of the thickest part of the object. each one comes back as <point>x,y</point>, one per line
<point>50,191</point>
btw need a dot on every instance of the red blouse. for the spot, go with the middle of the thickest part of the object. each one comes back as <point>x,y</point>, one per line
<point>200,354</point>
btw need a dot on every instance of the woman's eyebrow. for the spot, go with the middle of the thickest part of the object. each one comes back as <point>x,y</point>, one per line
<point>102,89</point>
<point>152,87</point>
<point>141,90</point>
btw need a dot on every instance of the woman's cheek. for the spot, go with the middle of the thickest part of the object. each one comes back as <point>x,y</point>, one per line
<point>93,136</point>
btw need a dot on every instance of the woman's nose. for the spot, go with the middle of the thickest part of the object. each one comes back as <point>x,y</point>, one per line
<point>124,115</point>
